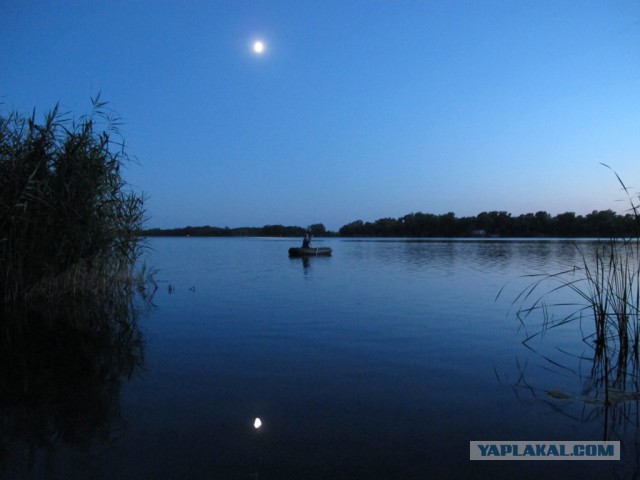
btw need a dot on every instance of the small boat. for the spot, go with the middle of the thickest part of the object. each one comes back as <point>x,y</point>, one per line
<point>306,252</point>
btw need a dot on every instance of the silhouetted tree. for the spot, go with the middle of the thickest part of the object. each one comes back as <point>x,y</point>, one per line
<point>317,229</point>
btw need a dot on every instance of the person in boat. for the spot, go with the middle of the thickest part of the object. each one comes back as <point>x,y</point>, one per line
<point>306,242</point>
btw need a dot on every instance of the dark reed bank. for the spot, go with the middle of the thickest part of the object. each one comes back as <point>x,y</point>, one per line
<point>70,292</point>
<point>68,220</point>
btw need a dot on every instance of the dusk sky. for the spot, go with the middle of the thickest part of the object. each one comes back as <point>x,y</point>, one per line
<point>353,110</point>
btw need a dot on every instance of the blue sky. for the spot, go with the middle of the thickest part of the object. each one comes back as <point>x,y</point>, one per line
<point>356,109</point>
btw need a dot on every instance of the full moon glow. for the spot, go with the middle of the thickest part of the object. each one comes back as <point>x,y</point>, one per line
<point>258,47</point>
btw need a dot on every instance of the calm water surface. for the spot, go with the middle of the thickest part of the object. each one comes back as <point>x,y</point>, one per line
<point>382,361</point>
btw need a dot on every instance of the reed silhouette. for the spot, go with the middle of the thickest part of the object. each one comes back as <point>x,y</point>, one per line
<point>68,220</point>
<point>71,288</point>
<point>602,295</point>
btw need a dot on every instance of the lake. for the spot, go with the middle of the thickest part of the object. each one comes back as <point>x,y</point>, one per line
<point>382,361</point>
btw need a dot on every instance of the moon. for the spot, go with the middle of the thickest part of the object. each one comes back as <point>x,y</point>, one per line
<point>258,47</point>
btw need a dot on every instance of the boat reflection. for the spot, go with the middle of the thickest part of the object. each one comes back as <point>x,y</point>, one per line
<point>307,261</point>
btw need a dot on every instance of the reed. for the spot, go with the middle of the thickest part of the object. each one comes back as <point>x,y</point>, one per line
<point>606,288</point>
<point>70,283</point>
<point>68,220</point>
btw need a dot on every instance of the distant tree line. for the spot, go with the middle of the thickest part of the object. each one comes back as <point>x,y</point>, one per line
<point>266,231</point>
<point>603,224</point>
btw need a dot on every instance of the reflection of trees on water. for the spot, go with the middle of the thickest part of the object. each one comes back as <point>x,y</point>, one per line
<point>61,371</point>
